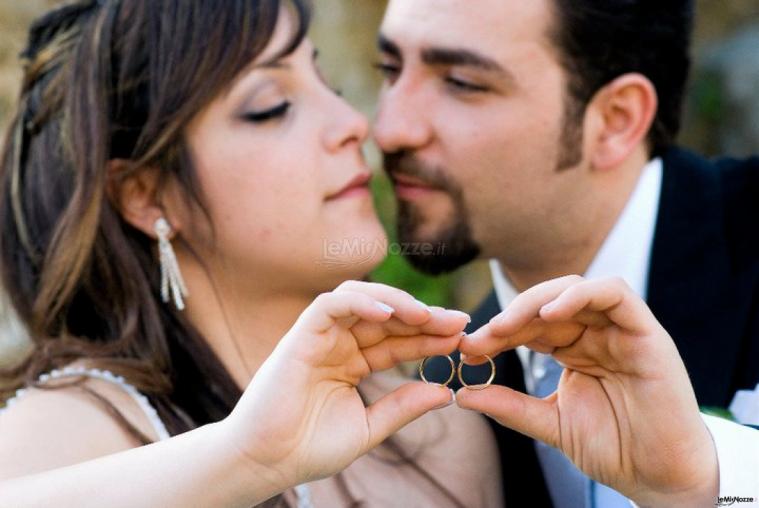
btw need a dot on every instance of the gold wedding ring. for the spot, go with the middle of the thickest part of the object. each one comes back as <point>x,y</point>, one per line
<point>450,378</point>
<point>477,387</point>
<point>458,371</point>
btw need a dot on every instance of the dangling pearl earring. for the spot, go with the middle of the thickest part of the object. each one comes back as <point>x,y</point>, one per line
<point>171,277</point>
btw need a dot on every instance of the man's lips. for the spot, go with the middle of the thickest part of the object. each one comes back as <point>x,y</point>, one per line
<point>358,186</point>
<point>410,187</point>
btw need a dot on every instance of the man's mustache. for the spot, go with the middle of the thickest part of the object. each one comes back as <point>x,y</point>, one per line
<point>404,163</point>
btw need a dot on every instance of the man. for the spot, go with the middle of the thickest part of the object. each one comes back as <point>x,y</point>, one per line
<point>539,134</point>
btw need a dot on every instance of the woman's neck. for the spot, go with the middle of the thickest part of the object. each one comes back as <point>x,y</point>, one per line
<point>242,331</point>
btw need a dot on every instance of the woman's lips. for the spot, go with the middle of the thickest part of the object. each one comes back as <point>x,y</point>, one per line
<point>357,187</point>
<point>352,192</point>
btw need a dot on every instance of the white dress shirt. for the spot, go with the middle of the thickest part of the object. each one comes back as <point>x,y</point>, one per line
<point>626,253</point>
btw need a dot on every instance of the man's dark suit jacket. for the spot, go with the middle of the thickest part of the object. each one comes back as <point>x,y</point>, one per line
<point>702,286</point>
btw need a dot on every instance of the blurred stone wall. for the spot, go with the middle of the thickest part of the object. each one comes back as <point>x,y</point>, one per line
<point>722,107</point>
<point>15,17</point>
<point>718,18</point>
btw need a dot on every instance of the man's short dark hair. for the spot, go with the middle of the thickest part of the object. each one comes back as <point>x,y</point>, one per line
<point>600,40</point>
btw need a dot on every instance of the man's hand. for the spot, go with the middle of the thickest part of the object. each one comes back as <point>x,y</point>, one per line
<point>624,411</point>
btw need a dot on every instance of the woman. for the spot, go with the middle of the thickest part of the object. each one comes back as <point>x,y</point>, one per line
<point>172,181</point>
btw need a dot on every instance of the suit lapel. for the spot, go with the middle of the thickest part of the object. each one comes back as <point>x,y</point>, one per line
<point>691,289</point>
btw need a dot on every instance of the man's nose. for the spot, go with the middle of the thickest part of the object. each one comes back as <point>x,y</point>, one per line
<point>401,121</point>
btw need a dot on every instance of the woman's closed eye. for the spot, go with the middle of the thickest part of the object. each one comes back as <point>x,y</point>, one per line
<point>268,114</point>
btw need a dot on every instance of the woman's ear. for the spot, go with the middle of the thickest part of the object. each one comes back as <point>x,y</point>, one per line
<point>135,194</point>
<point>623,112</point>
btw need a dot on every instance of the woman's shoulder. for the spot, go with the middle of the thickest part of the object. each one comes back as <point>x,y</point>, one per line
<point>54,426</point>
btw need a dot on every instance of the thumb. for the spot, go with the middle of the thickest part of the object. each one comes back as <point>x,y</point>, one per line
<point>402,406</point>
<point>533,417</point>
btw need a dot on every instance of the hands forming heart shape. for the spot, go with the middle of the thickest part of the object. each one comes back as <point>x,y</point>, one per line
<point>624,392</point>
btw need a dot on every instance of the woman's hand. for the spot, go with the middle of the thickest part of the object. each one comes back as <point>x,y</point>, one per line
<point>302,417</point>
<point>624,411</point>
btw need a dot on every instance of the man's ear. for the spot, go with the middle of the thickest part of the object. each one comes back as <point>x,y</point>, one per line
<point>622,114</point>
<point>135,194</point>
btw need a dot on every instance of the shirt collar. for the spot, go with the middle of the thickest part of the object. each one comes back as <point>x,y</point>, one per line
<point>626,252</point>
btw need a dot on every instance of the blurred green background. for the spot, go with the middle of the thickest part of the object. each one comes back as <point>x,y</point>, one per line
<point>722,108</point>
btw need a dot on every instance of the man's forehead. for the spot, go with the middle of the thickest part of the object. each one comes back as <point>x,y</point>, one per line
<point>482,25</point>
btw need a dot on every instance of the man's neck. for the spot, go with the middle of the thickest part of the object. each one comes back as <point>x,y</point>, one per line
<point>565,260</point>
<point>573,251</point>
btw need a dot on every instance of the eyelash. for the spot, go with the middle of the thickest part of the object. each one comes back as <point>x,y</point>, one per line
<point>390,71</point>
<point>269,114</point>
<point>387,70</point>
<point>464,86</point>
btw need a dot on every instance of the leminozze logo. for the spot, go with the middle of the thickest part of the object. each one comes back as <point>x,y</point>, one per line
<point>731,500</point>
<point>352,251</point>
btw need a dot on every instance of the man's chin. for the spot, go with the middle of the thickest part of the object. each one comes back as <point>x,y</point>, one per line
<point>436,247</point>
<point>437,256</point>
<point>439,265</point>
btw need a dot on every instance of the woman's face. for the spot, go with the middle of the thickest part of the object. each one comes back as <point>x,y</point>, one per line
<point>279,162</point>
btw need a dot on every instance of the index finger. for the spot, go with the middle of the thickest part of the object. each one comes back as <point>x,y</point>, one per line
<point>486,341</point>
<point>526,306</point>
<point>441,322</point>
<point>612,298</point>
<point>408,309</point>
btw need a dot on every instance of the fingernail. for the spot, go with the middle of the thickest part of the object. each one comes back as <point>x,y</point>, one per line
<point>462,314</point>
<point>423,305</point>
<point>463,357</point>
<point>385,307</point>
<point>500,318</point>
<point>547,307</point>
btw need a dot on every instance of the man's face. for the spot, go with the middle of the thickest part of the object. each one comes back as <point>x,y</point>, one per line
<point>474,127</point>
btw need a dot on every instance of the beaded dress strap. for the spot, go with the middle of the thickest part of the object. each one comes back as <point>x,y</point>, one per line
<point>303,492</point>
<point>105,375</point>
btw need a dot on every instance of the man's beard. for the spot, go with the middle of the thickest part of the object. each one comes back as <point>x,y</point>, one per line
<point>571,136</point>
<point>453,246</point>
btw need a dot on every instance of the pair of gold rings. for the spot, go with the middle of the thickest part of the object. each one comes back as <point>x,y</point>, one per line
<point>458,371</point>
